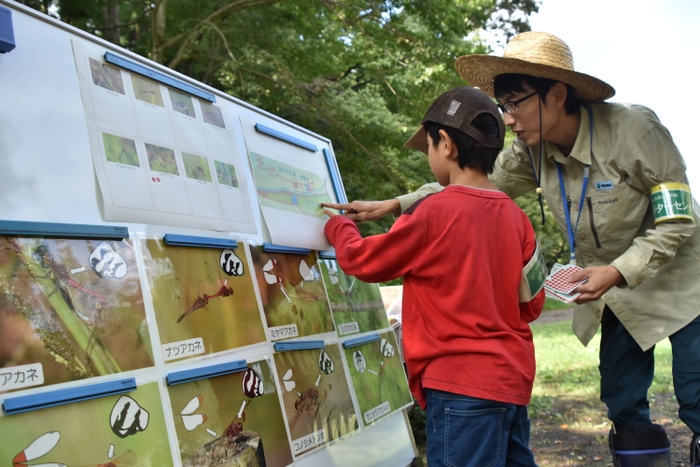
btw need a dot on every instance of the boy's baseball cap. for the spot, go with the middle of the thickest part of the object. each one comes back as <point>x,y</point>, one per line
<point>457,108</point>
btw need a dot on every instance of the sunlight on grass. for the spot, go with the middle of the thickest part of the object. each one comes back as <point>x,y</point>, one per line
<point>566,368</point>
<point>551,304</point>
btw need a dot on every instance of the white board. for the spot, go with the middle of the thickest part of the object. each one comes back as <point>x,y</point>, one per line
<point>49,173</point>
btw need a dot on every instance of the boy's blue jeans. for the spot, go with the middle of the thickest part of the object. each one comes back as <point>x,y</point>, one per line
<point>464,431</point>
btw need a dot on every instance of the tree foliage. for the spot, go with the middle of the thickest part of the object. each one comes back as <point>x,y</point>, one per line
<point>360,72</point>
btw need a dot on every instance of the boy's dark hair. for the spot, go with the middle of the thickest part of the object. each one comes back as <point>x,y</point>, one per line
<point>512,83</point>
<point>470,153</point>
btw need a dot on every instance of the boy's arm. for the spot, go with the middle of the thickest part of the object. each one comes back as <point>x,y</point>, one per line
<point>377,258</point>
<point>531,310</point>
<point>360,211</point>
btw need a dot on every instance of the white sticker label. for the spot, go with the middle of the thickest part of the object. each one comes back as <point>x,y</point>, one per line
<point>377,412</point>
<point>309,441</point>
<point>606,185</point>
<point>454,105</point>
<point>283,332</point>
<point>182,349</point>
<point>348,328</point>
<point>21,376</point>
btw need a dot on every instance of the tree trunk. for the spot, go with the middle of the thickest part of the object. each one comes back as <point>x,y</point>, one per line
<point>112,31</point>
<point>158,28</point>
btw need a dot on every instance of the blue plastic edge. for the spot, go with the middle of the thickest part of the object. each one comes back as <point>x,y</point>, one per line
<point>50,229</point>
<point>285,137</point>
<point>157,76</point>
<point>355,341</point>
<point>211,371</point>
<point>205,242</point>
<point>299,345</point>
<point>335,178</point>
<point>272,248</point>
<point>7,40</point>
<point>67,396</point>
<point>327,254</point>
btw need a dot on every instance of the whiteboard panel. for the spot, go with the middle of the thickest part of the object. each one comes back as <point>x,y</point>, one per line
<point>48,174</point>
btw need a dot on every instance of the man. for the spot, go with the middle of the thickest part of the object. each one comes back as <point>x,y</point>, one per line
<point>616,184</point>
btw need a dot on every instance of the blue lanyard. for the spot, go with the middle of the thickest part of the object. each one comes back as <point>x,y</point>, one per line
<point>571,233</point>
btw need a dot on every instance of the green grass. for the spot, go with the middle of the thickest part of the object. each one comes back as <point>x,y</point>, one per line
<point>565,368</point>
<point>550,304</point>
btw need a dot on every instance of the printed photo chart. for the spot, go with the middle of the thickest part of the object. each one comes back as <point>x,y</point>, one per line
<point>126,430</point>
<point>316,397</point>
<point>234,419</point>
<point>291,183</point>
<point>357,306</point>
<point>292,294</point>
<point>204,299</point>
<point>161,156</point>
<point>69,310</point>
<point>378,377</point>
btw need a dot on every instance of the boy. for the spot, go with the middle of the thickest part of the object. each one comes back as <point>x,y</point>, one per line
<point>467,344</point>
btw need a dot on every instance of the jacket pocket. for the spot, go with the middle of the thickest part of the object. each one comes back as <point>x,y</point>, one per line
<point>592,221</point>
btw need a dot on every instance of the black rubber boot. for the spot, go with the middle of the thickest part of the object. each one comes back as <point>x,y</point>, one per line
<point>640,446</point>
<point>695,450</point>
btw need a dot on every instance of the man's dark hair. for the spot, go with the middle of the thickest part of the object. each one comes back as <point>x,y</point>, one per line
<point>469,152</point>
<point>512,83</point>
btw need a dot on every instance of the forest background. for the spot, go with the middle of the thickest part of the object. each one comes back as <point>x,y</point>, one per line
<point>359,72</point>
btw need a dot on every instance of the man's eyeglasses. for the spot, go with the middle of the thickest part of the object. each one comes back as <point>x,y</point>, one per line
<point>512,107</point>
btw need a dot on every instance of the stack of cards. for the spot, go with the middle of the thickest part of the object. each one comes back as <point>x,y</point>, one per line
<point>556,285</point>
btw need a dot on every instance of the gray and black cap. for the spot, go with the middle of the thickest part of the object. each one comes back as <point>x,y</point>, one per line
<point>457,108</point>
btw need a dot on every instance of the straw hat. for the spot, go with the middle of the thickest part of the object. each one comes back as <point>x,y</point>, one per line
<point>538,54</point>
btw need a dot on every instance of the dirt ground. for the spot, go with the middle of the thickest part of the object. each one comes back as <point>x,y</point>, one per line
<point>574,432</point>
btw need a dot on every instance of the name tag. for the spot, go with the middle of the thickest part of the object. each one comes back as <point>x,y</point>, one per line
<point>608,185</point>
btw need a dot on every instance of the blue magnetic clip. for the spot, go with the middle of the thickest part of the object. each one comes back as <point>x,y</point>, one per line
<point>266,130</point>
<point>67,396</point>
<point>158,76</point>
<point>50,229</point>
<point>203,242</point>
<point>327,254</point>
<point>272,248</point>
<point>355,341</point>
<point>298,345</point>
<point>206,372</point>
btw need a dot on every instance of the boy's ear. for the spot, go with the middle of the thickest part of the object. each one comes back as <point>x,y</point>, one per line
<point>448,144</point>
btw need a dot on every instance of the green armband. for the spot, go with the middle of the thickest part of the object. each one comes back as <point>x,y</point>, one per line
<point>534,274</point>
<point>671,201</point>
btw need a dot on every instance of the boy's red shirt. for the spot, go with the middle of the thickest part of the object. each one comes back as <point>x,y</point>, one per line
<point>461,252</point>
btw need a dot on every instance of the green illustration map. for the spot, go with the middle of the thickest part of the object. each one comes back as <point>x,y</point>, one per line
<point>288,188</point>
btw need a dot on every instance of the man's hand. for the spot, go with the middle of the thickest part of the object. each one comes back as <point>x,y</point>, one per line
<point>360,211</point>
<point>600,280</point>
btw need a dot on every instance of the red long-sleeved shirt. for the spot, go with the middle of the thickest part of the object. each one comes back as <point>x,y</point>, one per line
<point>461,252</point>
